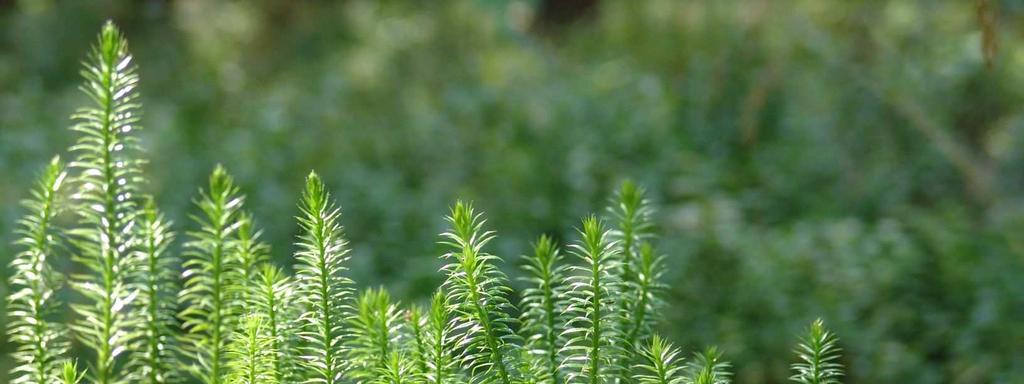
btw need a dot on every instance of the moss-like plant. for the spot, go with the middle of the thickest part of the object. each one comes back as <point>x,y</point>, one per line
<point>273,296</point>
<point>477,291</point>
<point>376,329</point>
<point>589,318</point>
<point>41,343</point>
<point>210,295</point>
<point>661,363</point>
<point>156,362</point>
<point>594,350</point>
<point>251,353</point>
<point>544,304</point>
<point>322,286</point>
<point>819,357</point>
<point>107,181</point>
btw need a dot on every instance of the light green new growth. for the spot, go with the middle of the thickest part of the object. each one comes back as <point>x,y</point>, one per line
<point>154,362</point>
<point>40,343</point>
<point>417,327</point>
<point>632,212</point>
<point>661,363</point>
<point>107,180</point>
<point>70,374</point>
<point>375,328</point>
<point>251,252</point>
<point>477,291</point>
<point>439,342</point>
<point>210,296</point>
<point>708,368</point>
<point>819,357</point>
<point>321,286</point>
<point>273,294</point>
<point>251,353</point>
<point>396,369</point>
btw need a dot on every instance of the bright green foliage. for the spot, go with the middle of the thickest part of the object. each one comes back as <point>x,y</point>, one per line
<point>70,374</point>
<point>594,349</point>
<point>417,323</point>
<point>632,215</point>
<point>273,293</point>
<point>477,291</point>
<point>439,342</point>
<point>396,369</point>
<point>375,328</point>
<point>645,296</point>
<point>251,353</point>
<point>245,321</point>
<point>708,368</point>
<point>211,270</point>
<point>322,288</point>
<point>106,186</point>
<point>251,252</point>
<point>819,357</point>
<point>155,362</point>
<point>800,149</point>
<point>661,363</point>
<point>544,304</point>
<point>41,343</point>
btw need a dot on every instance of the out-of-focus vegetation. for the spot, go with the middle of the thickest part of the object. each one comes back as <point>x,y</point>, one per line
<point>861,161</point>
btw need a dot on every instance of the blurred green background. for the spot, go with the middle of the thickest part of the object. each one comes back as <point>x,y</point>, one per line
<point>859,161</point>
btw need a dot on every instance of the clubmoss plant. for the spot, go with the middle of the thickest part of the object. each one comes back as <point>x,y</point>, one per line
<point>238,318</point>
<point>439,343</point>
<point>273,294</point>
<point>70,373</point>
<point>41,343</point>
<point>155,362</point>
<point>210,295</point>
<point>708,368</point>
<point>544,304</point>
<point>478,293</point>
<point>376,331</point>
<point>594,348</point>
<point>819,357</point>
<point>660,366</point>
<point>107,181</point>
<point>322,287</point>
<point>251,353</point>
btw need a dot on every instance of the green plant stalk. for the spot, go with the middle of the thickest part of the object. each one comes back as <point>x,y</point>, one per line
<point>595,346</point>
<point>818,354</point>
<point>40,343</point>
<point>375,332</point>
<point>540,303</point>
<point>158,287</point>
<point>272,285</point>
<point>420,345</point>
<point>321,257</point>
<point>108,210</point>
<point>632,213</point>
<point>441,352</point>
<point>489,334</point>
<point>594,334</point>
<point>646,282</point>
<point>211,286</point>
<point>466,240</point>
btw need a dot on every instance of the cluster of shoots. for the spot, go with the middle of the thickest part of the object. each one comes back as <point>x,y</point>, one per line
<point>220,311</point>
